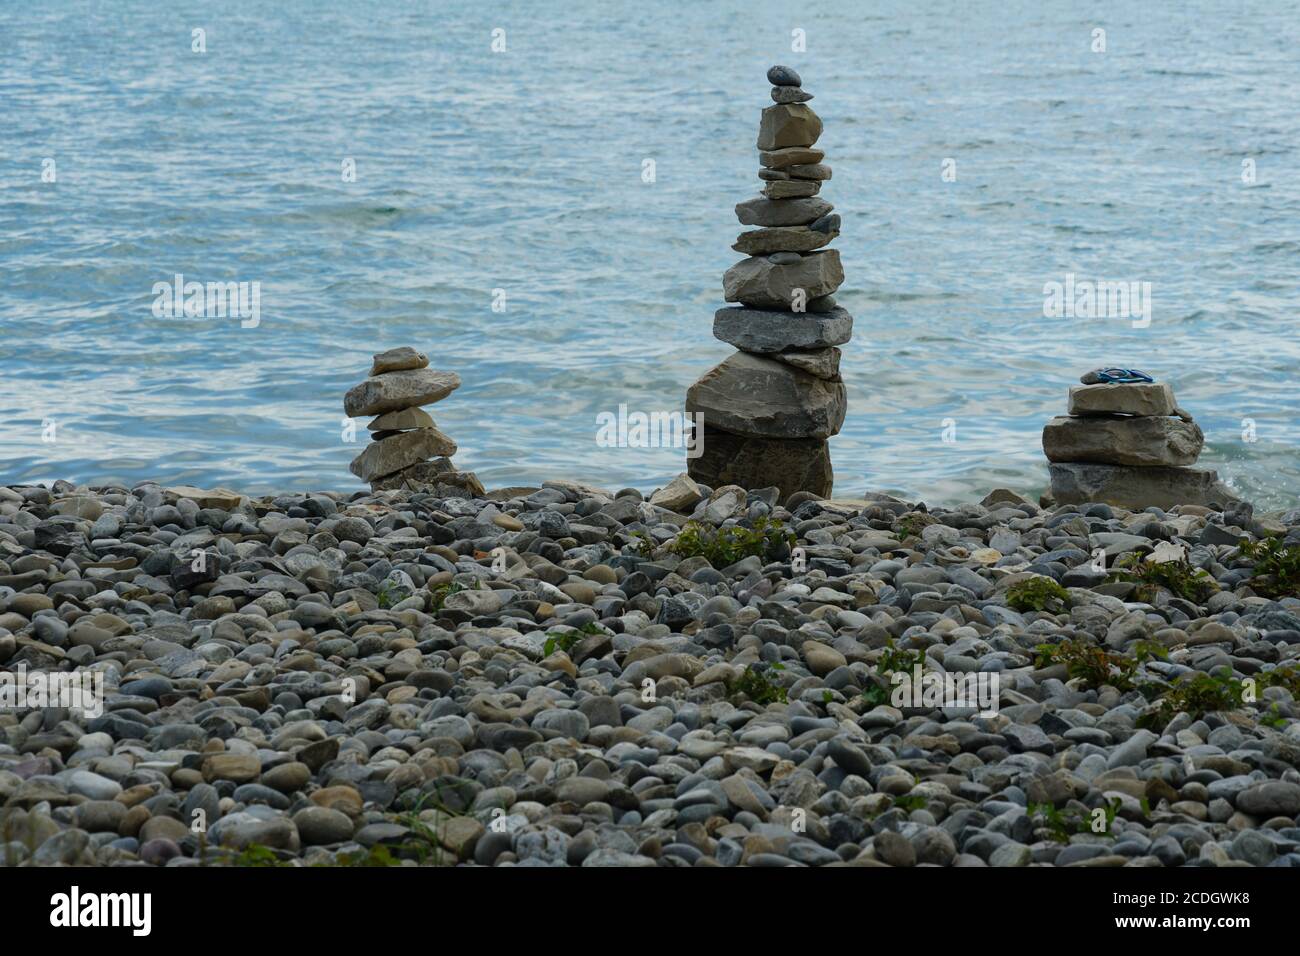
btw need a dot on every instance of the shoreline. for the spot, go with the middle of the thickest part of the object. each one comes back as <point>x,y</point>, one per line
<point>568,675</point>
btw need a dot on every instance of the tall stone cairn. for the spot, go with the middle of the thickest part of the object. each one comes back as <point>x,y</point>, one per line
<point>1128,444</point>
<point>769,408</point>
<point>407,451</point>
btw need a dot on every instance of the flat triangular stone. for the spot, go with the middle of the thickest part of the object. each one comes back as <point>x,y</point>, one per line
<point>750,395</point>
<point>404,389</point>
<point>824,363</point>
<point>400,451</point>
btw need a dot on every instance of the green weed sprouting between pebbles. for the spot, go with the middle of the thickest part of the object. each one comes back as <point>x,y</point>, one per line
<point>892,660</point>
<point>767,539</point>
<point>1061,825</point>
<point>1179,577</point>
<point>755,684</point>
<point>1276,571</point>
<point>564,640</point>
<point>1094,666</point>
<point>1039,593</point>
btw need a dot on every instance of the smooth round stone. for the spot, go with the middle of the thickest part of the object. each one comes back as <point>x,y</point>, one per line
<point>92,785</point>
<point>319,826</point>
<point>784,258</point>
<point>783,76</point>
<point>157,852</point>
<point>258,793</point>
<point>288,777</point>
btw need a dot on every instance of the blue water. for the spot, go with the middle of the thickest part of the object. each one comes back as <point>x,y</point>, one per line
<point>522,171</point>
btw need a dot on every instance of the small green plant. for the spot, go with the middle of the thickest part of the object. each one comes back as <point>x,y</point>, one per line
<point>641,543</point>
<point>755,684</point>
<point>892,660</point>
<point>911,525</point>
<point>1039,593</point>
<point>1195,695</point>
<point>255,854</point>
<point>388,595</point>
<point>911,801</point>
<point>564,640</point>
<point>377,855</point>
<point>1273,718</point>
<point>1094,666</point>
<point>1061,825</point>
<point>725,546</point>
<point>1200,694</point>
<point>1178,577</point>
<point>438,596</point>
<point>1276,570</point>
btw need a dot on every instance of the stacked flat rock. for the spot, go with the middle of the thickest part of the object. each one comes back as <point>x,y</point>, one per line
<point>1128,444</point>
<point>769,408</point>
<point>406,450</point>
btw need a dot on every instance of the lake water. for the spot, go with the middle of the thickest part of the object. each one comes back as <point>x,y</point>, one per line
<point>522,171</point>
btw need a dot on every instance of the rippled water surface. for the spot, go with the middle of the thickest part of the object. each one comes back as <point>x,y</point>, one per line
<point>522,171</point>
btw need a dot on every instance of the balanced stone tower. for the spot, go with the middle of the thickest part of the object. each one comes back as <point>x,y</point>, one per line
<point>407,451</point>
<point>769,408</point>
<point>1126,442</point>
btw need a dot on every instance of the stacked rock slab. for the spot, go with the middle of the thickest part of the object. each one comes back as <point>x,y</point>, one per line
<point>406,450</point>
<point>769,408</point>
<point>1129,445</point>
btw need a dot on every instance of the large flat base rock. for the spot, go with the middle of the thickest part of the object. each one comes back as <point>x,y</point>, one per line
<point>1076,483</point>
<point>751,395</point>
<point>764,330</point>
<point>1120,440</point>
<point>788,464</point>
<point>438,477</point>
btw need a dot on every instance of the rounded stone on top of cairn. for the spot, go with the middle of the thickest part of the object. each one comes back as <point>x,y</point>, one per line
<point>407,451</point>
<point>769,408</point>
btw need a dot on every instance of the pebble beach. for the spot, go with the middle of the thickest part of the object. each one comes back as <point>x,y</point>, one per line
<point>566,675</point>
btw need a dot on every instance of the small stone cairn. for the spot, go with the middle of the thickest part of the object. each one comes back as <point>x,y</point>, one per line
<point>769,408</point>
<point>1128,444</point>
<point>406,451</point>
